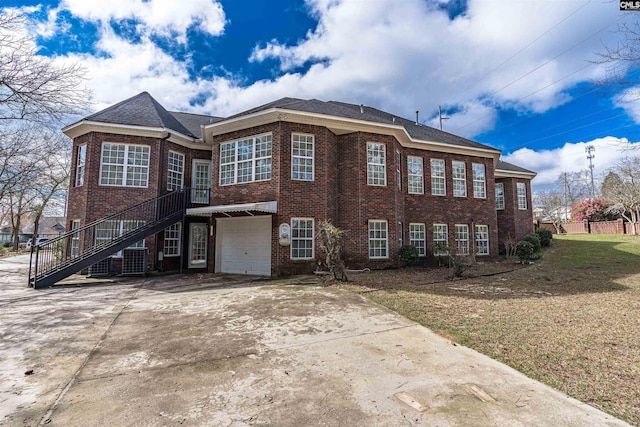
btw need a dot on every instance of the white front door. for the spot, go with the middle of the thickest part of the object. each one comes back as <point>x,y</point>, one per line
<point>200,181</point>
<point>198,245</point>
<point>243,245</point>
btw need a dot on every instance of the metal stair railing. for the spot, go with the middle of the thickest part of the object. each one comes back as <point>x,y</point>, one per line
<point>79,248</point>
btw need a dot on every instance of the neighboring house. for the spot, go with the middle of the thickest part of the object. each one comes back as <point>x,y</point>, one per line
<point>49,226</point>
<point>266,178</point>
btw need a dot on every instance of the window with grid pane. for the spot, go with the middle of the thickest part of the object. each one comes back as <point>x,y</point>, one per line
<point>124,165</point>
<point>522,195</point>
<point>175,174</point>
<point>301,238</point>
<point>416,175</point>
<point>459,179</point>
<point>302,157</point>
<point>111,229</point>
<point>417,238</point>
<point>246,160</point>
<point>462,239</point>
<point>376,164</point>
<point>438,182</point>
<point>482,239</point>
<point>479,181</point>
<point>75,238</point>
<point>80,165</point>
<point>500,196</point>
<point>440,239</point>
<point>378,239</point>
<point>172,240</point>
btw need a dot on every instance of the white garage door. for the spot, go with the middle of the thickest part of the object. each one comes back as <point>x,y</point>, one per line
<point>243,245</point>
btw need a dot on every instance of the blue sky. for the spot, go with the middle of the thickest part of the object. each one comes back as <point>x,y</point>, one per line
<point>516,75</point>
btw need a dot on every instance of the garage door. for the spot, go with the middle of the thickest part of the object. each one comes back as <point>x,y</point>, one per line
<point>244,245</point>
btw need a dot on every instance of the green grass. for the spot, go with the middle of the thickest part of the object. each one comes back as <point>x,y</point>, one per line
<point>570,320</point>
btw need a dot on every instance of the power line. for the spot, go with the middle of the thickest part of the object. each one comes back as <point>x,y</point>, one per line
<point>519,51</point>
<point>543,64</point>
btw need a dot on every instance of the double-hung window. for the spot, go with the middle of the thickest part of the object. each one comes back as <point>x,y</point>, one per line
<point>75,238</point>
<point>459,179</point>
<point>440,239</point>
<point>175,172</point>
<point>172,240</point>
<point>417,238</point>
<point>376,164</point>
<point>378,239</point>
<point>247,160</point>
<point>124,165</point>
<point>500,196</point>
<point>479,181</point>
<point>438,180</point>
<point>482,239</point>
<point>301,238</point>
<point>462,239</point>
<point>302,157</point>
<point>522,195</point>
<point>416,175</point>
<point>80,165</point>
<point>111,229</point>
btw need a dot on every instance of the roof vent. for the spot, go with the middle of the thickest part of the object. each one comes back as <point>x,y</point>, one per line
<point>417,121</point>
<point>361,108</point>
<point>394,119</point>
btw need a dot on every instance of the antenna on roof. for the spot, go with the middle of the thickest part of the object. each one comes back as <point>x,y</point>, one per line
<point>417,121</point>
<point>441,118</point>
<point>361,108</point>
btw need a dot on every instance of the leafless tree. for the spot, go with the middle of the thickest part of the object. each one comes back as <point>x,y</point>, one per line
<point>330,241</point>
<point>575,185</point>
<point>623,59</point>
<point>553,207</point>
<point>622,187</point>
<point>34,87</point>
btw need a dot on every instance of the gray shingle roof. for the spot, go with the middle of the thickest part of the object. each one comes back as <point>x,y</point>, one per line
<point>369,114</point>
<point>143,110</point>
<point>505,166</point>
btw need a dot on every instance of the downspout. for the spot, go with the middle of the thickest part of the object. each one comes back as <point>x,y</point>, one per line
<point>161,180</point>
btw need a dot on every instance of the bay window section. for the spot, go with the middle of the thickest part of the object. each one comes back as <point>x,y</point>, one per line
<point>376,164</point>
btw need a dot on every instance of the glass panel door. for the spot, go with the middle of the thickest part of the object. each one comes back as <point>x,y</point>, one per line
<point>198,245</point>
<point>200,181</point>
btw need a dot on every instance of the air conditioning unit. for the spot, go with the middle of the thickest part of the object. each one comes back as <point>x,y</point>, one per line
<point>134,261</point>
<point>101,268</point>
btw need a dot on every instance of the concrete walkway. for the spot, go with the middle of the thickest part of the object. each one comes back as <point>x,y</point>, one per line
<point>232,351</point>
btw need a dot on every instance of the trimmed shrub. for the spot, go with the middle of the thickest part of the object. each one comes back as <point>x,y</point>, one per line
<point>534,240</point>
<point>545,237</point>
<point>457,267</point>
<point>525,250</point>
<point>409,255</point>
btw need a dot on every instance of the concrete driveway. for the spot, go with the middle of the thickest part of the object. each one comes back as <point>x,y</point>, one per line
<point>233,351</point>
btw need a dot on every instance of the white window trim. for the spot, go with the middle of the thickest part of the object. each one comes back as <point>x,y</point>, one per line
<point>435,241</point>
<point>463,179</point>
<point>413,175</point>
<point>499,207</point>
<point>444,177</point>
<point>75,239</point>
<point>253,160</point>
<point>383,164</point>
<point>422,251</point>
<point>477,240</point>
<point>483,180</point>
<point>195,190</point>
<point>313,156</point>
<point>522,185</point>
<point>313,242</point>
<point>169,171</point>
<point>177,239</point>
<point>79,181</point>
<point>386,239</point>
<point>458,252</point>
<point>137,245</point>
<point>399,170</point>
<point>124,165</point>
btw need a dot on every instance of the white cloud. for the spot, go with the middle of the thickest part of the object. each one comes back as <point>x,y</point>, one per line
<point>629,100</point>
<point>572,157</point>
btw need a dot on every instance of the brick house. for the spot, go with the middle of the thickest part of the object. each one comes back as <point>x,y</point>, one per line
<point>261,181</point>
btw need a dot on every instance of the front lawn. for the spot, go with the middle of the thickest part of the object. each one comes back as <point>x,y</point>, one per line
<point>571,320</point>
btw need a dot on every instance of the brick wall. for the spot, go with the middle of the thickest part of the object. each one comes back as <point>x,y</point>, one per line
<point>514,223</point>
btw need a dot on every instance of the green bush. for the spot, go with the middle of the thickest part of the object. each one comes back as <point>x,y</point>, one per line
<point>534,240</point>
<point>545,237</point>
<point>409,255</point>
<point>457,267</point>
<point>525,250</point>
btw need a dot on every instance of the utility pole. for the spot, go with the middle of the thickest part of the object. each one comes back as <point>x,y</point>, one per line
<point>589,149</point>
<point>440,114</point>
